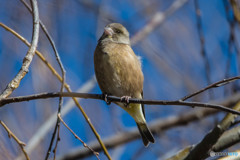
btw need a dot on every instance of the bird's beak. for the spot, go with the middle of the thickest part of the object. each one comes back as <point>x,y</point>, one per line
<point>108,31</point>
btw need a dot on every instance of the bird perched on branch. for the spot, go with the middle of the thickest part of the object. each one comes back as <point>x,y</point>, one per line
<point>118,72</point>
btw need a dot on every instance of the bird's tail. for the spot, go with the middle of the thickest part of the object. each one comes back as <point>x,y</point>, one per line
<point>145,133</point>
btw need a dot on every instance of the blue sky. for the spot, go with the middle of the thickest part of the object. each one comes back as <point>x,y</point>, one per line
<point>172,64</point>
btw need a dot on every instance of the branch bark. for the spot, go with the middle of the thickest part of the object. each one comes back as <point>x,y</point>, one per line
<point>115,99</point>
<point>202,149</point>
<point>29,56</point>
<point>20,143</point>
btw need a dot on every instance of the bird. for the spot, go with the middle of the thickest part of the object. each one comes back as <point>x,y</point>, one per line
<point>119,73</point>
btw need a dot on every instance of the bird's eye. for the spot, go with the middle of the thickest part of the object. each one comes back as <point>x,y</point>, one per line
<point>118,31</point>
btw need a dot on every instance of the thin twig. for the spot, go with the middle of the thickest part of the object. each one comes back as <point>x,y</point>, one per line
<point>29,56</point>
<point>202,43</point>
<point>58,139</point>
<point>20,143</point>
<point>230,38</point>
<point>76,136</point>
<point>66,86</point>
<point>63,80</point>
<point>214,85</point>
<point>233,46</point>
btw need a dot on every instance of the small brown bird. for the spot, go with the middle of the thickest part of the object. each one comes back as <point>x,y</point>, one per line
<point>118,72</point>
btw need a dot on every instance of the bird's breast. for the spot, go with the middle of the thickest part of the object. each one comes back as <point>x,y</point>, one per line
<point>118,70</point>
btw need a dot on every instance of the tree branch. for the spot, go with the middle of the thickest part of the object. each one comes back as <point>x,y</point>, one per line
<point>75,135</point>
<point>20,143</point>
<point>115,99</point>
<point>29,56</point>
<point>214,85</point>
<point>202,45</point>
<point>202,149</point>
<point>229,138</point>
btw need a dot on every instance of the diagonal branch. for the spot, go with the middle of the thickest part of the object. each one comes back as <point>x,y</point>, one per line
<point>157,20</point>
<point>75,135</point>
<point>228,139</point>
<point>214,85</point>
<point>29,56</point>
<point>202,149</point>
<point>20,143</point>
<point>39,54</point>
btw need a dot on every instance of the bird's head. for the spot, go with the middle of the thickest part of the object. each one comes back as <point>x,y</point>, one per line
<point>115,32</point>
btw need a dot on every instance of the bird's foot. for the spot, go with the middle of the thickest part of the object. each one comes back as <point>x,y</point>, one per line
<point>125,99</point>
<point>105,95</point>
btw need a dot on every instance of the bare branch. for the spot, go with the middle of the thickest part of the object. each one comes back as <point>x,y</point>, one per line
<point>29,56</point>
<point>214,85</point>
<point>229,138</point>
<point>39,54</point>
<point>20,143</point>
<point>75,135</point>
<point>202,44</point>
<point>232,39</point>
<point>202,149</point>
<point>114,99</point>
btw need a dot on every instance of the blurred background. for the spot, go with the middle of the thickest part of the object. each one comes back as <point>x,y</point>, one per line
<point>196,44</point>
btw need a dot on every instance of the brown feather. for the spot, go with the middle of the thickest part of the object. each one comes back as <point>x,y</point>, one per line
<point>118,72</point>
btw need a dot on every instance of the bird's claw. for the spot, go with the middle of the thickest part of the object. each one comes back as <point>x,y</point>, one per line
<point>125,99</point>
<point>105,95</point>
